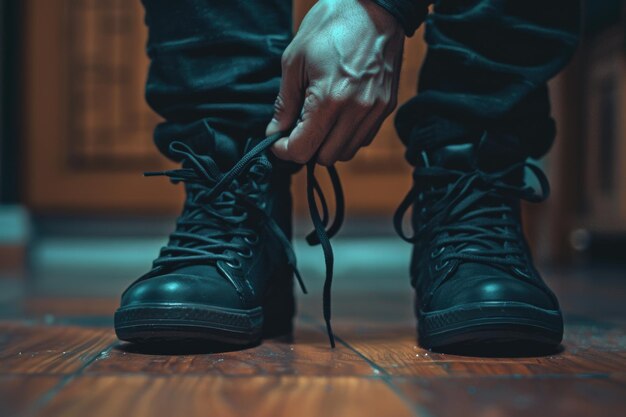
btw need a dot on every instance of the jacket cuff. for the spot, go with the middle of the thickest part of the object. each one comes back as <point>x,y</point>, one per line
<point>410,13</point>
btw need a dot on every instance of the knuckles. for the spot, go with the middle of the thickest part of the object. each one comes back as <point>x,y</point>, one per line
<point>288,57</point>
<point>341,99</point>
<point>359,102</point>
<point>279,104</point>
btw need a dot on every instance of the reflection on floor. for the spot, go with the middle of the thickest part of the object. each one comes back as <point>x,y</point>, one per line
<point>59,356</point>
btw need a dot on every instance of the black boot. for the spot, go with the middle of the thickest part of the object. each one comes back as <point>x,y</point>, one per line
<point>471,268</point>
<point>226,274</point>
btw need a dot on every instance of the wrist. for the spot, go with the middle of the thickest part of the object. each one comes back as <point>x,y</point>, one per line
<point>385,22</point>
<point>409,14</point>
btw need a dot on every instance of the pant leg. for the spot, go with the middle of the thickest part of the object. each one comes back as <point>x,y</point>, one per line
<point>486,70</point>
<point>215,70</point>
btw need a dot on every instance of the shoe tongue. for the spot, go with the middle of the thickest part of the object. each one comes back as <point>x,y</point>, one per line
<point>208,165</point>
<point>455,157</point>
<point>488,154</point>
<point>257,170</point>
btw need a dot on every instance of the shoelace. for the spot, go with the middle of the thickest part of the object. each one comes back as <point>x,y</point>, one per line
<point>214,203</point>
<point>459,217</point>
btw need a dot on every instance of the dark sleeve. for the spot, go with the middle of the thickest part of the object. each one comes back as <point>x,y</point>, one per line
<point>410,13</point>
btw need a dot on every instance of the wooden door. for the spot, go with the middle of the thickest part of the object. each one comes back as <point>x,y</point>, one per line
<point>86,126</point>
<point>88,132</point>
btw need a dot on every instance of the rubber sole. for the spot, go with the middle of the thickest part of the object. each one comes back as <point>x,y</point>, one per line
<point>490,323</point>
<point>157,323</point>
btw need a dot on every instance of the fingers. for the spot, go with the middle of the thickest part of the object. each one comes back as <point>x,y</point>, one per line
<point>364,135</point>
<point>317,120</point>
<point>342,133</point>
<point>331,119</point>
<point>333,130</point>
<point>371,125</point>
<point>290,96</point>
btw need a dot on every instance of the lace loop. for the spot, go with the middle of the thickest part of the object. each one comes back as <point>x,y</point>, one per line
<point>322,235</point>
<point>219,203</point>
<point>469,209</point>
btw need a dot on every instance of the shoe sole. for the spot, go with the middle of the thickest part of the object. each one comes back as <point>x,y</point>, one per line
<point>490,323</point>
<point>157,323</point>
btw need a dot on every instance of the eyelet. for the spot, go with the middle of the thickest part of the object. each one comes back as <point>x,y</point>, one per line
<point>439,266</point>
<point>251,240</point>
<point>518,271</point>
<point>235,265</point>
<point>437,252</point>
<point>247,254</point>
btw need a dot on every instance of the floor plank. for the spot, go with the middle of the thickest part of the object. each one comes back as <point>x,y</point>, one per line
<point>70,306</point>
<point>587,350</point>
<point>203,396</point>
<point>18,393</point>
<point>376,369</point>
<point>38,349</point>
<point>510,397</point>
<point>307,352</point>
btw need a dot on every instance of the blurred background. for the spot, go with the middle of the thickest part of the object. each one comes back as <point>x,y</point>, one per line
<point>77,218</point>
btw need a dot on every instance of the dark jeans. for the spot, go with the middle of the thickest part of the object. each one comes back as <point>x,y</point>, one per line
<point>215,72</point>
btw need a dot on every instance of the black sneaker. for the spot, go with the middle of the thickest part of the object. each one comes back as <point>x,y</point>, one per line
<point>471,268</point>
<point>226,274</point>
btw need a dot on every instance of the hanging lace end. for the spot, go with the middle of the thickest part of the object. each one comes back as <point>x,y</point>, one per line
<point>331,335</point>
<point>312,239</point>
<point>300,280</point>
<point>155,173</point>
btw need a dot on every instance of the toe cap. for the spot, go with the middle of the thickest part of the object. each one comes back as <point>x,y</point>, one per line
<point>497,288</point>
<point>178,288</point>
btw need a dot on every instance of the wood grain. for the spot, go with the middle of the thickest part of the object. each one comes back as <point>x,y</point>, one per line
<point>305,353</point>
<point>376,369</point>
<point>494,397</point>
<point>587,350</point>
<point>74,114</point>
<point>52,183</point>
<point>18,393</point>
<point>203,396</point>
<point>70,306</point>
<point>55,350</point>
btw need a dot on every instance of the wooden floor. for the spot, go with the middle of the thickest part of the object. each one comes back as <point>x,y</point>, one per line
<point>59,357</point>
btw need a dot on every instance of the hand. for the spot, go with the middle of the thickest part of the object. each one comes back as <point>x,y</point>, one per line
<point>339,81</point>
